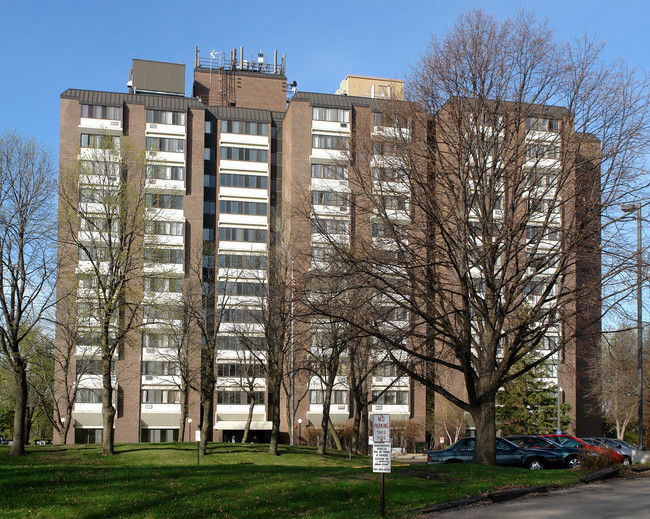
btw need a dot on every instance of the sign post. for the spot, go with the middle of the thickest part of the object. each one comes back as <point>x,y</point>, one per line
<point>381,453</point>
<point>198,443</point>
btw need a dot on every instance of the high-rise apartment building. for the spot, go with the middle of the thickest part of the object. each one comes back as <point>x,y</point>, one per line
<point>225,173</point>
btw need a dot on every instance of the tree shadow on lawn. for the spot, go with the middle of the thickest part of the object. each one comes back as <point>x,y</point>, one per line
<point>115,491</point>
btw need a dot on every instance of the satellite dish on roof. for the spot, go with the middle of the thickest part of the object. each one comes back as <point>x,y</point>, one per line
<point>293,86</point>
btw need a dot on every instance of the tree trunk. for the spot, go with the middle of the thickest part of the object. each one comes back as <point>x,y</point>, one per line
<point>66,428</point>
<point>184,411</point>
<point>206,419</point>
<point>335,435</point>
<point>248,420</point>
<point>485,421</point>
<point>28,423</point>
<point>108,409</point>
<point>356,423</point>
<point>274,412</point>
<point>363,431</point>
<point>20,410</point>
<point>327,398</point>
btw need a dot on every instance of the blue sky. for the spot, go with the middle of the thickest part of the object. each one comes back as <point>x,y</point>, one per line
<point>47,47</point>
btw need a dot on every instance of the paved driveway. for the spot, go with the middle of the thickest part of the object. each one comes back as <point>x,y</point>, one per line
<point>629,499</point>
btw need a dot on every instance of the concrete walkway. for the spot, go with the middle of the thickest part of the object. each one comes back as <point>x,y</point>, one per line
<point>611,499</point>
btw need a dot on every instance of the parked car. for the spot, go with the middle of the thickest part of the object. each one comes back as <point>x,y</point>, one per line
<point>570,455</point>
<point>508,454</point>
<point>623,448</point>
<point>572,441</point>
<point>3,441</point>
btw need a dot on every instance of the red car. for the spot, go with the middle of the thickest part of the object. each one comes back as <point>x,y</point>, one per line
<point>571,441</point>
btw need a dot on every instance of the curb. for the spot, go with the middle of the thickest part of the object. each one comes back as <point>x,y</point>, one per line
<point>450,504</point>
<point>601,474</point>
<point>507,495</point>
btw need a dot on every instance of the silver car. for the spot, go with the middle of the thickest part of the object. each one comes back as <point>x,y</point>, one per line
<point>623,448</point>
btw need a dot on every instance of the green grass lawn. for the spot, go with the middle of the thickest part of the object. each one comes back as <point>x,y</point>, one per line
<point>233,480</point>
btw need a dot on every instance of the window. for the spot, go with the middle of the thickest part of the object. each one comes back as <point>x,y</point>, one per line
<point>390,397</point>
<point>329,142</point>
<point>542,124</point>
<point>339,396</point>
<point>397,314</point>
<point>245,235</point>
<point>394,202</point>
<point>383,230</point>
<point>165,228</point>
<point>158,435</point>
<point>161,396</point>
<point>239,397</point>
<point>160,367</point>
<point>321,253</point>
<point>165,117</point>
<point>158,171</point>
<point>209,154</point>
<point>231,343</point>
<point>89,396</point>
<point>247,208</point>
<point>94,254</point>
<point>103,142</point>
<point>254,370</point>
<point>389,174</point>
<point>330,198</point>
<point>385,370</point>
<point>165,144</point>
<point>243,315</point>
<point>158,255</point>
<point>209,180</point>
<point>97,224</point>
<point>208,234</point>
<point>392,120</point>
<point>330,226</point>
<point>384,148</point>
<point>537,287</point>
<point>109,170</point>
<point>245,181</point>
<point>245,128</point>
<point>209,207</point>
<point>208,127</point>
<point>162,284</point>
<point>91,367</point>
<point>542,151</point>
<point>330,114</point>
<point>241,288</point>
<point>536,232</point>
<point>160,312</point>
<point>162,201</point>
<point>246,154</point>
<point>100,112</point>
<point>536,178</point>
<point>329,171</point>
<point>157,340</point>
<point>241,261</point>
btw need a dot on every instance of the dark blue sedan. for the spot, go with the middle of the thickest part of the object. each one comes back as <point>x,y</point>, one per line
<point>508,454</point>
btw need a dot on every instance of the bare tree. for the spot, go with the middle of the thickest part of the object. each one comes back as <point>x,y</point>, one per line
<point>103,219</point>
<point>486,203</point>
<point>180,344</point>
<point>27,237</point>
<point>617,391</point>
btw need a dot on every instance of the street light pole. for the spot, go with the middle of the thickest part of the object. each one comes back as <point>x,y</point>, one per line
<point>629,208</point>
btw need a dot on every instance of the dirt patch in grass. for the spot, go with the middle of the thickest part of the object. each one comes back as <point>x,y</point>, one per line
<point>431,475</point>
